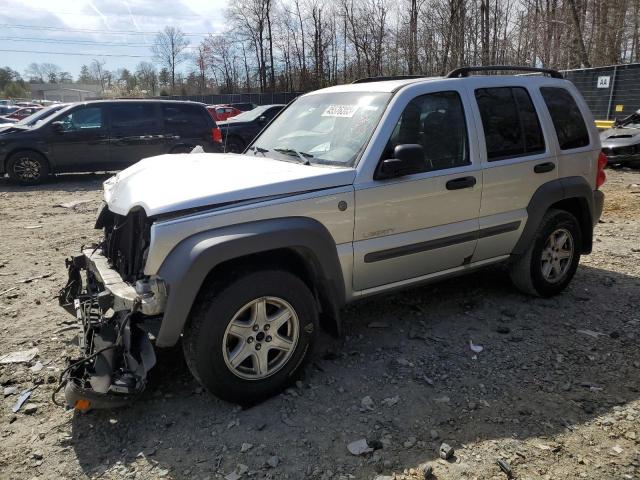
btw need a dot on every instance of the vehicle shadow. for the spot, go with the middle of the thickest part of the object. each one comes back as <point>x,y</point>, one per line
<point>65,182</point>
<point>539,374</point>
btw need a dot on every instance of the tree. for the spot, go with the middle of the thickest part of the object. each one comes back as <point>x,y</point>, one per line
<point>100,74</point>
<point>7,76</point>
<point>65,77</point>
<point>147,77</point>
<point>164,77</point>
<point>85,75</point>
<point>169,50</point>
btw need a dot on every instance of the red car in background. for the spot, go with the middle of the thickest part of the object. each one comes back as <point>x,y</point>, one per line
<point>22,113</point>
<point>221,112</point>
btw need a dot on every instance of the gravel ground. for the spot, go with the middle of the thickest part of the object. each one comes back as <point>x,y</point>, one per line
<point>555,392</point>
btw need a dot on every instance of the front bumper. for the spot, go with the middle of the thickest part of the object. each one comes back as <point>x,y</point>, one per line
<point>114,322</point>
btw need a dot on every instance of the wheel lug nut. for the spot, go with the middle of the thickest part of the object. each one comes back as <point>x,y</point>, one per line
<point>256,328</point>
<point>267,327</point>
<point>258,346</point>
<point>250,340</point>
<point>268,339</point>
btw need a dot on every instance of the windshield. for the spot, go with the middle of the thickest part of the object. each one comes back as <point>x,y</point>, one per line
<point>329,128</point>
<point>251,115</point>
<point>40,115</point>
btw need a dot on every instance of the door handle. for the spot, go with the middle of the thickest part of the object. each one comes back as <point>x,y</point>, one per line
<point>544,167</point>
<point>462,182</point>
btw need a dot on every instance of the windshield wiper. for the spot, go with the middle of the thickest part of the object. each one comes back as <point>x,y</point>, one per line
<point>303,156</point>
<point>257,149</point>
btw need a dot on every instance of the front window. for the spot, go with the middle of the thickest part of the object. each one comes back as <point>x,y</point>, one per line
<point>324,128</point>
<point>88,118</point>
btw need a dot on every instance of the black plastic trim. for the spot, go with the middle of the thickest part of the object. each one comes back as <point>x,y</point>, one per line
<point>440,242</point>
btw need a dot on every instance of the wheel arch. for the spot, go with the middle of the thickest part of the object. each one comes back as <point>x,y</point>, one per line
<point>300,245</point>
<point>572,194</point>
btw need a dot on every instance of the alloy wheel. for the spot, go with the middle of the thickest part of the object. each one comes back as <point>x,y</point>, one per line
<point>261,338</point>
<point>556,255</point>
<point>27,169</point>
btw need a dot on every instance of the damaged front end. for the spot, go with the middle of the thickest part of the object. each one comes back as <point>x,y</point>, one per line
<point>118,310</point>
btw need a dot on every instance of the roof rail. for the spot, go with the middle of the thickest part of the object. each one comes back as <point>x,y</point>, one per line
<point>383,79</point>
<point>464,71</point>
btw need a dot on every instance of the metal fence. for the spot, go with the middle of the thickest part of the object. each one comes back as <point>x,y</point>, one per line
<point>225,98</point>
<point>611,92</point>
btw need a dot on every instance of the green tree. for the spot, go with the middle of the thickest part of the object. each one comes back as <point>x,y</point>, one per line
<point>15,90</point>
<point>85,75</point>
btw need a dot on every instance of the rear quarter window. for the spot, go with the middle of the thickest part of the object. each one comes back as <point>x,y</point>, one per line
<point>567,119</point>
<point>185,118</point>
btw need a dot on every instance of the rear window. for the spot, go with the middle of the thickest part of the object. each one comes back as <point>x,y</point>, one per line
<point>566,117</point>
<point>127,115</point>
<point>183,115</point>
<point>510,122</point>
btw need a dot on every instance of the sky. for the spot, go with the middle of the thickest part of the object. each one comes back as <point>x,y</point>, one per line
<point>71,33</point>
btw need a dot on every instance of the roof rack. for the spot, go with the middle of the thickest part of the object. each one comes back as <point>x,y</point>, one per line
<point>384,79</point>
<point>464,71</point>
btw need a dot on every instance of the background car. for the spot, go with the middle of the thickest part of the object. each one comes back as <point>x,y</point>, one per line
<point>244,106</point>
<point>34,118</point>
<point>222,112</point>
<point>239,131</point>
<point>621,144</point>
<point>21,113</point>
<point>105,135</point>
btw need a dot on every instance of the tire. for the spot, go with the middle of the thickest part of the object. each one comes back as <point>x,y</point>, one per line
<point>546,269</point>
<point>234,145</point>
<point>27,168</point>
<point>249,371</point>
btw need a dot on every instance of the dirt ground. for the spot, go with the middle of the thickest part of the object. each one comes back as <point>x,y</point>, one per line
<point>555,393</point>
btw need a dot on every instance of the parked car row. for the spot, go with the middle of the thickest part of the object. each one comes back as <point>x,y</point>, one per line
<point>113,134</point>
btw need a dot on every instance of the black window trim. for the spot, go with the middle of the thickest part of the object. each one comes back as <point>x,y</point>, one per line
<point>589,145</point>
<point>466,131</point>
<point>515,100</point>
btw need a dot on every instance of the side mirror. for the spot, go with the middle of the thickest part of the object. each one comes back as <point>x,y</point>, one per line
<point>407,159</point>
<point>57,127</point>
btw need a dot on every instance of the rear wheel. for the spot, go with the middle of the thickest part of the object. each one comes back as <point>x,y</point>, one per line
<point>250,339</point>
<point>551,261</point>
<point>27,168</point>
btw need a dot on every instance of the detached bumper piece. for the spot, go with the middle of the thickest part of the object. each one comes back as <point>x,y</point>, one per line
<point>117,352</point>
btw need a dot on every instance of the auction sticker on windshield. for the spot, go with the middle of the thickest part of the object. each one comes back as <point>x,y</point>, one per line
<point>344,111</point>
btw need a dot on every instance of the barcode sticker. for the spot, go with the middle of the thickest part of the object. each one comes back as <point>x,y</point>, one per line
<point>344,111</point>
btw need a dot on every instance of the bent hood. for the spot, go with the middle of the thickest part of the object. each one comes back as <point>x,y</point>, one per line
<point>168,183</point>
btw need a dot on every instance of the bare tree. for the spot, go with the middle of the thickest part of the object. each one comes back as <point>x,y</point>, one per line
<point>169,49</point>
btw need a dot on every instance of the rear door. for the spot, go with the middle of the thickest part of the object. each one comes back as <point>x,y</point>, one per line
<point>517,160</point>
<point>82,142</point>
<point>135,132</point>
<point>186,126</point>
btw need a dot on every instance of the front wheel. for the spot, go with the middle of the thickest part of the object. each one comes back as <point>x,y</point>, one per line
<point>552,259</point>
<point>27,168</point>
<point>249,340</point>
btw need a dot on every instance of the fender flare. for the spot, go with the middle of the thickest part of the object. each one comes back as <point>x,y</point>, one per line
<point>551,193</point>
<point>190,262</point>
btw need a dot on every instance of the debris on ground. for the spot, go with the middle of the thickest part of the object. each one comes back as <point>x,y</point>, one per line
<point>37,277</point>
<point>24,396</point>
<point>445,451</point>
<point>505,467</point>
<point>21,356</point>
<point>367,404</point>
<point>475,348</point>
<point>72,204</point>
<point>359,447</point>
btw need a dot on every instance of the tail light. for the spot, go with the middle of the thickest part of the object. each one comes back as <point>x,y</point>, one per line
<point>216,134</point>
<point>601,177</point>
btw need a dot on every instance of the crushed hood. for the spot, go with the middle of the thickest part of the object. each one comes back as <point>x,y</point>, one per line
<point>169,183</point>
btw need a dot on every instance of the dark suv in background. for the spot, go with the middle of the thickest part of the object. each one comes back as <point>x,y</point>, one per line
<point>105,135</point>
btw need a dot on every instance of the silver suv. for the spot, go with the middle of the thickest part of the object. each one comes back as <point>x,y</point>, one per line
<point>351,191</point>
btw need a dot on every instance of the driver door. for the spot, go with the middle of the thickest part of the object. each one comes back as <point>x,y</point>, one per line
<point>426,221</point>
<point>79,140</point>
